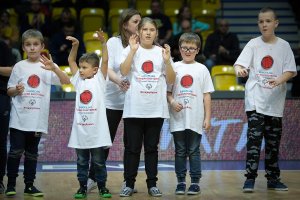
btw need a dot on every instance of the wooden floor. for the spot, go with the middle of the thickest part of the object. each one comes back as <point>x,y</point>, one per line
<point>215,185</point>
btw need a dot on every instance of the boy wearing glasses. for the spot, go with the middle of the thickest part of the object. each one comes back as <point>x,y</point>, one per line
<point>190,112</point>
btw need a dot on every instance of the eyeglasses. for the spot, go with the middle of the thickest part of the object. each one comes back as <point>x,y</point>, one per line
<point>191,49</point>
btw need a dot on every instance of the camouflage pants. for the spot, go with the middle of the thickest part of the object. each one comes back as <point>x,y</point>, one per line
<point>270,128</point>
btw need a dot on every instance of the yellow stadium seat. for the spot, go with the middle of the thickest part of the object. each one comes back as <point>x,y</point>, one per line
<point>93,46</point>
<point>142,4</point>
<point>87,36</point>
<point>92,19</point>
<point>145,11</point>
<point>118,4</point>
<point>56,12</point>
<point>174,4</point>
<point>67,88</point>
<point>205,15</point>
<point>113,19</point>
<point>224,78</point>
<point>172,14</point>
<point>66,69</point>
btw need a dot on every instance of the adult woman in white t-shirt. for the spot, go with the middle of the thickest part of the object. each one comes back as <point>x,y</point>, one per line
<point>117,85</point>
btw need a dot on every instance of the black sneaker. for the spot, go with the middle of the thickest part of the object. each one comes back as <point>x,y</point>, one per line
<point>180,189</point>
<point>10,191</point>
<point>32,191</point>
<point>277,185</point>
<point>249,186</point>
<point>2,188</point>
<point>81,193</point>
<point>104,192</point>
<point>193,189</point>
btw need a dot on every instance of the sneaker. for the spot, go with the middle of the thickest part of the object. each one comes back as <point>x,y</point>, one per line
<point>104,192</point>
<point>277,185</point>
<point>2,188</point>
<point>249,185</point>
<point>124,186</point>
<point>10,191</point>
<point>32,191</point>
<point>91,185</point>
<point>81,193</point>
<point>155,192</point>
<point>193,189</point>
<point>126,192</point>
<point>180,189</point>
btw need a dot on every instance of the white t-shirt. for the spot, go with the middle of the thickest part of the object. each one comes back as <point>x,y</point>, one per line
<point>90,128</point>
<point>114,96</point>
<point>192,81</point>
<point>30,111</point>
<point>146,96</point>
<point>266,61</point>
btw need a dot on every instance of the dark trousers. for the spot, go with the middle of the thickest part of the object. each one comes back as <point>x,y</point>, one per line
<point>22,142</point>
<point>270,128</point>
<point>4,123</point>
<point>139,131</point>
<point>98,161</point>
<point>113,118</point>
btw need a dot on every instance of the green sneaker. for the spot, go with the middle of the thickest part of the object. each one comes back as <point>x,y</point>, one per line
<point>10,191</point>
<point>81,193</point>
<point>104,192</point>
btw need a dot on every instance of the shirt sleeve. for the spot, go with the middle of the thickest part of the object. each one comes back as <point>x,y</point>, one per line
<point>245,59</point>
<point>289,61</point>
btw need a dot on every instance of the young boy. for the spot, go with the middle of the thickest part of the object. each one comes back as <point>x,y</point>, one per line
<point>190,112</point>
<point>29,86</point>
<point>90,134</point>
<point>270,62</point>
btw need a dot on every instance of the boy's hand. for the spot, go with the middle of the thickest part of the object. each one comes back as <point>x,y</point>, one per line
<point>48,63</point>
<point>20,88</point>
<point>100,36</point>
<point>166,52</point>
<point>241,71</point>
<point>133,42</point>
<point>124,84</point>
<point>273,82</point>
<point>206,124</point>
<point>176,106</point>
<point>73,40</point>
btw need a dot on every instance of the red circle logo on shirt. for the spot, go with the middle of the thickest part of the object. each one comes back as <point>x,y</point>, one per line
<point>186,81</point>
<point>267,62</point>
<point>147,66</point>
<point>86,96</point>
<point>33,81</point>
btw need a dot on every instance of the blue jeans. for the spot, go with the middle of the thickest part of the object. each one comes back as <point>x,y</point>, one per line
<point>98,160</point>
<point>22,142</point>
<point>187,145</point>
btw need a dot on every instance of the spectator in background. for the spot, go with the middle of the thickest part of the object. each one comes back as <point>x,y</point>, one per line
<point>185,27</point>
<point>66,17</point>
<point>60,47</point>
<point>163,22</point>
<point>7,30</point>
<point>185,13</point>
<point>222,46</point>
<point>38,17</point>
<point>6,63</point>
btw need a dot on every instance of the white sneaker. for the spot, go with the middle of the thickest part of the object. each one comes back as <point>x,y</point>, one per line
<point>124,186</point>
<point>91,185</point>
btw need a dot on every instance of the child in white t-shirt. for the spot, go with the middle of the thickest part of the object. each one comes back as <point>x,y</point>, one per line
<point>29,86</point>
<point>190,112</point>
<point>90,133</point>
<point>270,63</point>
<point>147,67</point>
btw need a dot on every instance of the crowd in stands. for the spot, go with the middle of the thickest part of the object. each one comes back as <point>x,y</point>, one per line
<point>218,47</point>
